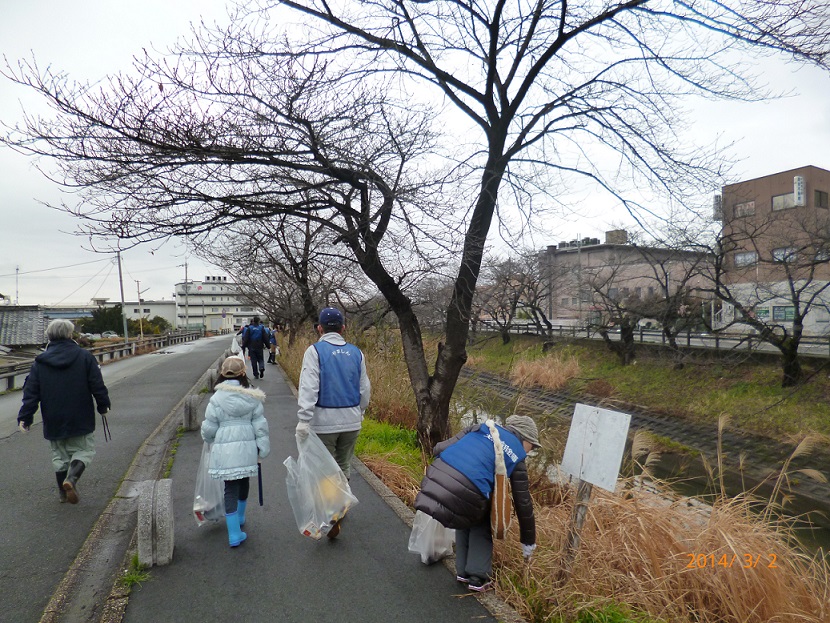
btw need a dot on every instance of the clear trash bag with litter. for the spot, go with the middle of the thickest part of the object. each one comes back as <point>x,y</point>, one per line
<point>318,490</point>
<point>209,497</point>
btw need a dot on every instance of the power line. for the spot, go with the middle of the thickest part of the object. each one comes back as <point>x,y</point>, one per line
<point>43,270</point>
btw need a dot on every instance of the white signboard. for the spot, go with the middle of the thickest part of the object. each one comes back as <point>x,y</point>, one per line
<point>799,191</point>
<point>595,445</point>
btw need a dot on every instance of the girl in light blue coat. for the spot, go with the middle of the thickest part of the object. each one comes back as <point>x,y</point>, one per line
<point>236,426</point>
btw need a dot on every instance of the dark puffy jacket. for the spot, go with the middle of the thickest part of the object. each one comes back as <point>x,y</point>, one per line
<point>64,379</point>
<point>451,498</point>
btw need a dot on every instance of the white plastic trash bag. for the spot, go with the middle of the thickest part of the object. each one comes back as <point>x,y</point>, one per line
<point>235,347</point>
<point>431,540</point>
<point>209,497</point>
<point>318,490</point>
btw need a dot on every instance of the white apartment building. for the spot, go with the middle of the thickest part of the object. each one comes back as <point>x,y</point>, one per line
<point>214,303</point>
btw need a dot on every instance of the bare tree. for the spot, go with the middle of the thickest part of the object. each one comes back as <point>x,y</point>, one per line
<point>770,273</point>
<point>287,268</point>
<point>241,127</point>
<point>499,295</point>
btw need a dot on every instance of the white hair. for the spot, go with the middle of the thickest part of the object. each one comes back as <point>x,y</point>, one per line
<point>59,329</point>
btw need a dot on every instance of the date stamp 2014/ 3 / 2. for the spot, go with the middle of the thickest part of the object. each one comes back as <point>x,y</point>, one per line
<point>727,561</point>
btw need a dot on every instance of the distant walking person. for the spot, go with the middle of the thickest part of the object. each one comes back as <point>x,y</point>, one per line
<point>334,392</point>
<point>236,426</point>
<point>64,380</point>
<point>255,341</point>
<point>272,346</point>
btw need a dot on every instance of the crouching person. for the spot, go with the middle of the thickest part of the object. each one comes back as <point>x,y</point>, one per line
<point>457,486</point>
<point>64,380</point>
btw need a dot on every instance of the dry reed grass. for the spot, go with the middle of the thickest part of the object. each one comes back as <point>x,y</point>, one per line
<point>650,557</point>
<point>399,479</point>
<point>648,552</point>
<point>551,372</point>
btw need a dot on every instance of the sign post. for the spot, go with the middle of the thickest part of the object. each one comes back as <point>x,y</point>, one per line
<point>593,455</point>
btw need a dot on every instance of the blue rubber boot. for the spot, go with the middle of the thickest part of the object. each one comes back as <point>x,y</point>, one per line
<point>235,534</point>
<point>240,510</point>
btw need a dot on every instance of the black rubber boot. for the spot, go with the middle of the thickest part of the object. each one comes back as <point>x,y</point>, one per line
<point>60,477</point>
<point>76,468</point>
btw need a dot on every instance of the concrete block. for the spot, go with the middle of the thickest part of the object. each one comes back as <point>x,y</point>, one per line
<point>212,376</point>
<point>155,522</point>
<point>191,412</point>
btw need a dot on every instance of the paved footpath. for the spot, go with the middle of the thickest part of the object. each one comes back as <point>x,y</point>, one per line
<point>40,538</point>
<point>364,575</point>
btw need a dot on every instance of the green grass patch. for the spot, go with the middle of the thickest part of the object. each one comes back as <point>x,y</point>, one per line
<point>135,574</point>
<point>612,613</point>
<point>749,391</point>
<point>396,444</point>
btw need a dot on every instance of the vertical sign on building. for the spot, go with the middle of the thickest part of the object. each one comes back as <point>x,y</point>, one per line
<point>717,208</point>
<point>799,191</point>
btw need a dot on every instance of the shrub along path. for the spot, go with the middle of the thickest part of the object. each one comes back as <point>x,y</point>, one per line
<point>762,456</point>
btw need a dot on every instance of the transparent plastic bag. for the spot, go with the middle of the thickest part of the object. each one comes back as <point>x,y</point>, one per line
<point>235,347</point>
<point>431,540</point>
<point>209,497</point>
<point>318,491</point>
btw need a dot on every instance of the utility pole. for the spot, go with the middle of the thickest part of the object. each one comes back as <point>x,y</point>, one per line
<point>16,285</point>
<point>140,308</point>
<point>123,311</point>
<point>186,288</point>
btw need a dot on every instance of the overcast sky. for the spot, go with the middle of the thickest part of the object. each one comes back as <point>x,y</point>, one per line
<point>91,38</point>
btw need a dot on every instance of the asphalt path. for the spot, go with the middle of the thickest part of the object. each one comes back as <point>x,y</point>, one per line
<point>40,537</point>
<point>365,575</point>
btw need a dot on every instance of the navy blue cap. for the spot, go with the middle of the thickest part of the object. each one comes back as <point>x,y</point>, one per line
<point>331,317</point>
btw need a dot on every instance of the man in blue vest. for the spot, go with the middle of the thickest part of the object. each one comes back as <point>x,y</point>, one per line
<point>334,392</point>
<point>255,340</point>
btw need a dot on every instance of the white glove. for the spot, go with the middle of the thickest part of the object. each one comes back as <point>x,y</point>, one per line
<point>527,550</point>
<point>302,429</point>
<point>23,428</point>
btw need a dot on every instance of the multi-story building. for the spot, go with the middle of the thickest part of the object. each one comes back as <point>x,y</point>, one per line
<point>214,303</point>
<point>584,273</point>
<point>776,240</point>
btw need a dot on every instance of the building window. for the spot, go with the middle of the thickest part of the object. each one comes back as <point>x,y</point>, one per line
<point>747,258</point>
<point>638,292</point>
<point>214,309</point>
<point>784,254</point>
<point>613,293</point>
<point>574,301</point>
<point>146,311</point>
<point>783,202</point>
<point>135,311</point>
<point>821,199</point>
<point>565,300</point>
<point>651,290</point>
<point>745,209</point>
<point>783,312</point>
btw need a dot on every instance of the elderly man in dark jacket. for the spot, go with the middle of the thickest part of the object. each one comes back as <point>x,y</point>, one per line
<point>457,486</point>
<point>64,380</point>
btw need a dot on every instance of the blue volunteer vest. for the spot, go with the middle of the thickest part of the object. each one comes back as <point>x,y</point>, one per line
<point>255,334</point>
<point>339,375</point>
<point>473,455</point>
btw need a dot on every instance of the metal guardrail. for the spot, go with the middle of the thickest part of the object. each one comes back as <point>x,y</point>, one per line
<point>107,352</point>
<point>810,346</point>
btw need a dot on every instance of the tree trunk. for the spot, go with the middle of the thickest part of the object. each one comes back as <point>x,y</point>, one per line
<point>671,337</point>
<point>505,337</point>
<point>790,364</point>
